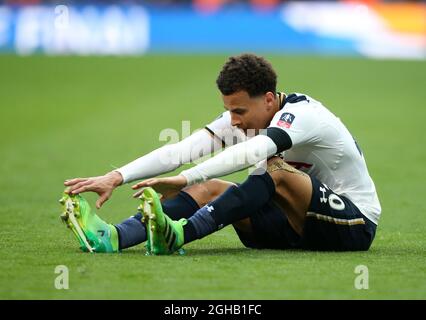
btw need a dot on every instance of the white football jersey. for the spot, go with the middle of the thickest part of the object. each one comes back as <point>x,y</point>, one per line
<point>321,146</point>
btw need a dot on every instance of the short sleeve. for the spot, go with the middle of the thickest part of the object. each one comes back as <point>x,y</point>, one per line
<point>299,122</point>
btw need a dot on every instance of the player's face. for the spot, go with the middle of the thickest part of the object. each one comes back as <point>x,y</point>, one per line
<point>250,112</point>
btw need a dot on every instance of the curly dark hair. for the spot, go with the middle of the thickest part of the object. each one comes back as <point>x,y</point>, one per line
<point>247,72</point>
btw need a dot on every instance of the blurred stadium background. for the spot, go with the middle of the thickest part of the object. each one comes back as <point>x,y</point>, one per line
<point>86,86</point>
<point>368,28</point>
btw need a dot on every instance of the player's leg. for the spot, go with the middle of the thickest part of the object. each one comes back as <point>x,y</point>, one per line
<point>296,194</point>
<point>208,191</point>
<point>132,231</point>
<point>324,219</point>
<point>235,204</point>
<point>96,235</point>
<point>293,191</point>
<point>268,217</point>
<point>268,228</point>
<point>92,233</point>
<point>334,223</point>
<point>279,223</point>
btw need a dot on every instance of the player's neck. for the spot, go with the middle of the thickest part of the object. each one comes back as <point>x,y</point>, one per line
<point>278,101</point>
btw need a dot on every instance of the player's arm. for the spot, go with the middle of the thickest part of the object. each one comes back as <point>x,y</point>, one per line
<point>170,157</point>
<point>285,131</point>
<point>234,158</point>
<point>162,160</point>
<point>159,161</point>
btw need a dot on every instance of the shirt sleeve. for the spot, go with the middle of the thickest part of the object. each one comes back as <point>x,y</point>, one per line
<point>293,126</point>
<point>234,158</point>
<point>216,135</point>
<point>170,156</point>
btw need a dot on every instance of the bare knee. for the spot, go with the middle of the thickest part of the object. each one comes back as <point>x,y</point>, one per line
<point>206,192</point>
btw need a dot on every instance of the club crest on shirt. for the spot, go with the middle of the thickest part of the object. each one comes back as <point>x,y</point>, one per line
<point>286,120</point>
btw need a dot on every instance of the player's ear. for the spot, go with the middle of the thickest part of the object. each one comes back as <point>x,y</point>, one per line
<point>269,100</point>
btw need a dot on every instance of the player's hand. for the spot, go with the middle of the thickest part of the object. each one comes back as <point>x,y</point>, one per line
<point>102,185</point>
<point>168,187</point>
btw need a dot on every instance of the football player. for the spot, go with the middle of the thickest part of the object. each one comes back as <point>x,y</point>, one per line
<point>311,188</point>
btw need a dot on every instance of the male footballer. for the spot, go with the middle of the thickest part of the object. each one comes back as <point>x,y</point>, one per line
<point>310,190</point>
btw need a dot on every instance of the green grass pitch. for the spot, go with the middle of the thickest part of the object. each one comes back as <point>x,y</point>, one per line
<point>78,116</point>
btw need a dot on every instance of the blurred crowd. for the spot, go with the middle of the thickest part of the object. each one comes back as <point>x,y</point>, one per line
<point>212,3</point>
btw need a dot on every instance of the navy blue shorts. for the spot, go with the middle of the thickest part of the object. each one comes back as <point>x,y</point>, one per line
<point>333,223</point>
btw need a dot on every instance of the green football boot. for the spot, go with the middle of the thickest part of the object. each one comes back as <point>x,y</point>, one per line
<point>164,236</point>
<point>92,233</point>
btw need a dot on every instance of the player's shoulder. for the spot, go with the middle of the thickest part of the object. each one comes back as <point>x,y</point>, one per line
<point>296,103</point>
<point>299,100</point>
<point>297,109</point>
<point>296,97</point>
